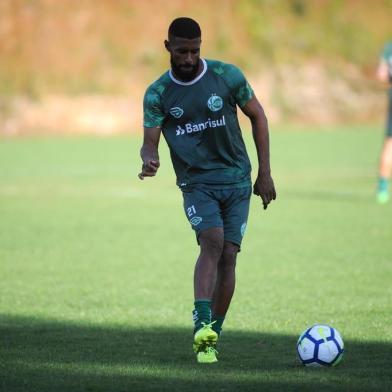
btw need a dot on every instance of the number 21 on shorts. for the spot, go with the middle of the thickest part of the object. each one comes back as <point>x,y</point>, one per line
<point>191,211</point>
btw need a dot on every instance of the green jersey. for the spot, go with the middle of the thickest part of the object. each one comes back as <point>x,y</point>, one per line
<point>199,122</point>
<point>387,56</point>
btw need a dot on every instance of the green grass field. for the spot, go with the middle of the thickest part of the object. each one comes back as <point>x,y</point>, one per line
<point>96,269</point>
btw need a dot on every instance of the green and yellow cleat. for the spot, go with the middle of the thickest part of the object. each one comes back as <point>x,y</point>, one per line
<point>205,336</point>
<point>383,197</point>
<point>207,355</point>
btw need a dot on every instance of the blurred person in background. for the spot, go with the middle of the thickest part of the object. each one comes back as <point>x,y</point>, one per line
<point>384,74</point>
<point>194,105</point>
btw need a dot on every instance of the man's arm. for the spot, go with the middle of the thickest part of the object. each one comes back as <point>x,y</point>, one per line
<point>264,185</point>
<point>149,152</point>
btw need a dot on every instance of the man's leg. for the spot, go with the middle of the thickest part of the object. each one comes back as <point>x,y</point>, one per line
<point>211,247</point>
<point>385,171</point>
<point>234,215</point>
<point>225,285</point>
<point>386,157</point>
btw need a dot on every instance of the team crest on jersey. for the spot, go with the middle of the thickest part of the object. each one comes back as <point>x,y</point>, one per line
<point>176,112</point>
<point>215,103</point>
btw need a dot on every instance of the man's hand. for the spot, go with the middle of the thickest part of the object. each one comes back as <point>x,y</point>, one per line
<point>149,168</point>
<point>149,152</point>
<point>264,187</point>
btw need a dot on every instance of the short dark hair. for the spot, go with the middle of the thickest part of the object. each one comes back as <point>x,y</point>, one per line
<point>184,28</point>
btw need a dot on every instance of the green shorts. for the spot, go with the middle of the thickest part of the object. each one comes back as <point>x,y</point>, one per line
<point>228,208</point>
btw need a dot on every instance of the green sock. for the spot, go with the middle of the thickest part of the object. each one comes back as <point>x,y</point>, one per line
<point>383,184</point>
<point>217,326</point>
<point>201,313</point>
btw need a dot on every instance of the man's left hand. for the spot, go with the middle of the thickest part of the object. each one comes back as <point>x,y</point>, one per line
<point>264,187</point>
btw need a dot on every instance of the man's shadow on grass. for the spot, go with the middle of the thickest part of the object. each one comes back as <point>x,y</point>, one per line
<point>44,355</point>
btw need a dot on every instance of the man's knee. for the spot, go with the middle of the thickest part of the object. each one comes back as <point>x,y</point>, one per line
<point>229,255</point>
<point>212,242</point>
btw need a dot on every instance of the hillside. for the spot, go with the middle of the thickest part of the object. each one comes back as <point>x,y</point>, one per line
<point>309,61</point>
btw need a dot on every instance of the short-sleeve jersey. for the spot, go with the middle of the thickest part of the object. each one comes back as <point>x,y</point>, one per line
<point>387,56</point>
<point>199,122</point>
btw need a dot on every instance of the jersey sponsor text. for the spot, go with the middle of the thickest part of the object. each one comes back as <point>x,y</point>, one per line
<point>190,127</point>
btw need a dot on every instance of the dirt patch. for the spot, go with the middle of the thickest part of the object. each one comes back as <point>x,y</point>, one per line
<point>96,114</point>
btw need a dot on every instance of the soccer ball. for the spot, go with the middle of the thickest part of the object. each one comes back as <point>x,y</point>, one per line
<point>320,345</point>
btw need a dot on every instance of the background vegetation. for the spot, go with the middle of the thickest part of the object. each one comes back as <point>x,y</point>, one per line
<point>109,46</point>
<point>296,53</point>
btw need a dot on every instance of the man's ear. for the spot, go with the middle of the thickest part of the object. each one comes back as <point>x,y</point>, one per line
<point>167,45</point>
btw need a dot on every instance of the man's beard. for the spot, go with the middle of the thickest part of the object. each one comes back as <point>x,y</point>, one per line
<point>187,74</point>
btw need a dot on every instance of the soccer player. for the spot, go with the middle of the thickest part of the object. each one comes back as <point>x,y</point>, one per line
<point>194,105</point>
<point>384,74</point>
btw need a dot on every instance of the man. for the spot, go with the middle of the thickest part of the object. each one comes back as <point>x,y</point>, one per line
<point>384,74</point>
<point>194,105</point>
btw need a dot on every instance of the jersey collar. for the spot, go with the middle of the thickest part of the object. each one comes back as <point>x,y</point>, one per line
<point>192,81</point>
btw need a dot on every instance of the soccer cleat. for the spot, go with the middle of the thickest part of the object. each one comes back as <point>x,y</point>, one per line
<point>207,355</point>
<point>383,197</point>
<point>205,336</point>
